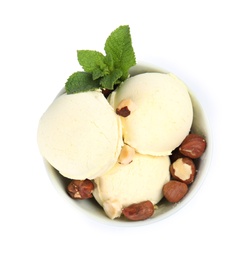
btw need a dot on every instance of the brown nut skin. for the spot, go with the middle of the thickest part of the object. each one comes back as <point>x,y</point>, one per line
<point>181,168</point>
<point>139,211</point>
<point>80,189</point>
<point>125,107</point>
<point>124,111</point>
<point>193,146</point>
<point>174,191</point>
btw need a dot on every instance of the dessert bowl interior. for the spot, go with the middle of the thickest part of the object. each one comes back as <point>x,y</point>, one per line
<point>165,209</point>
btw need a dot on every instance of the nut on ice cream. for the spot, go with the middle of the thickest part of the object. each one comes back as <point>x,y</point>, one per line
<point>162,116</point>
<point>138,181</point>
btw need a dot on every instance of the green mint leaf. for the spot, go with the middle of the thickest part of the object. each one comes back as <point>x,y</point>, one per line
<point>98,73</point>
<point>109,61</point>
<point>91,60</point>
<point>101,71</point>
<point>119,46</point>
<point>80,82</point>
<point>112,79</point>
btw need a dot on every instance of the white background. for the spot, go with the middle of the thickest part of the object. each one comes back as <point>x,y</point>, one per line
<point>203,42</point>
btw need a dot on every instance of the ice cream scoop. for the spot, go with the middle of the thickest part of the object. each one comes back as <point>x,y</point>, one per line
<point>163,112</point>
<point>80,135</point>
<point>138,181</point>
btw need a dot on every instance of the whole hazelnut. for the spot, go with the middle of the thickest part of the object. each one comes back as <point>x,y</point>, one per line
<point>174,191</point>
<point>193,146</point>
<point>139,211</point>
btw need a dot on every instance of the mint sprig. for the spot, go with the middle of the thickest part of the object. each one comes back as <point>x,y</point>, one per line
<point>104,71</point>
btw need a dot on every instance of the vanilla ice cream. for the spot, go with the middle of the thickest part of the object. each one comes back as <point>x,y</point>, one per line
<point>80,135</point>
<point>138,181</point>
<point>163,114</point>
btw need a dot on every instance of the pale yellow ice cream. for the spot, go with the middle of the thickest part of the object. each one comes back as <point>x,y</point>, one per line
<point>163,114</point>
<point>138,181</point>
<point>80,135</point>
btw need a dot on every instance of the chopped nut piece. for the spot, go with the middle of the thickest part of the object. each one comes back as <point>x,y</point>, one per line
<point>127,154</point>
<point>124,111</point>
<point>183,169</point>
<point>112,208</point>
<point>125,107</point>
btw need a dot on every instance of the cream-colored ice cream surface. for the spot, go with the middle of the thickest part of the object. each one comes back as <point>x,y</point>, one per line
<point>80,135</point>
<point>138,181</point>
<point>163,114</point>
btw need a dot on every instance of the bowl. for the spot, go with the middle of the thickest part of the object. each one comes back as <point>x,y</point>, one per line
<point>94,211</point>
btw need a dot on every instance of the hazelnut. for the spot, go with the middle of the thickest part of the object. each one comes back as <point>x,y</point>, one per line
<point>112,208</point>
<point>193,146</point>
<point>80,189</point>
<point>125,107</point>
<point>126,155</point>
<point>174,191</point>
<point>139,211</point>
<point>183,169</point>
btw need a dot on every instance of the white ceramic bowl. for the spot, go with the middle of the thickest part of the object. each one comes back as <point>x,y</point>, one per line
<point>91,209</point>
